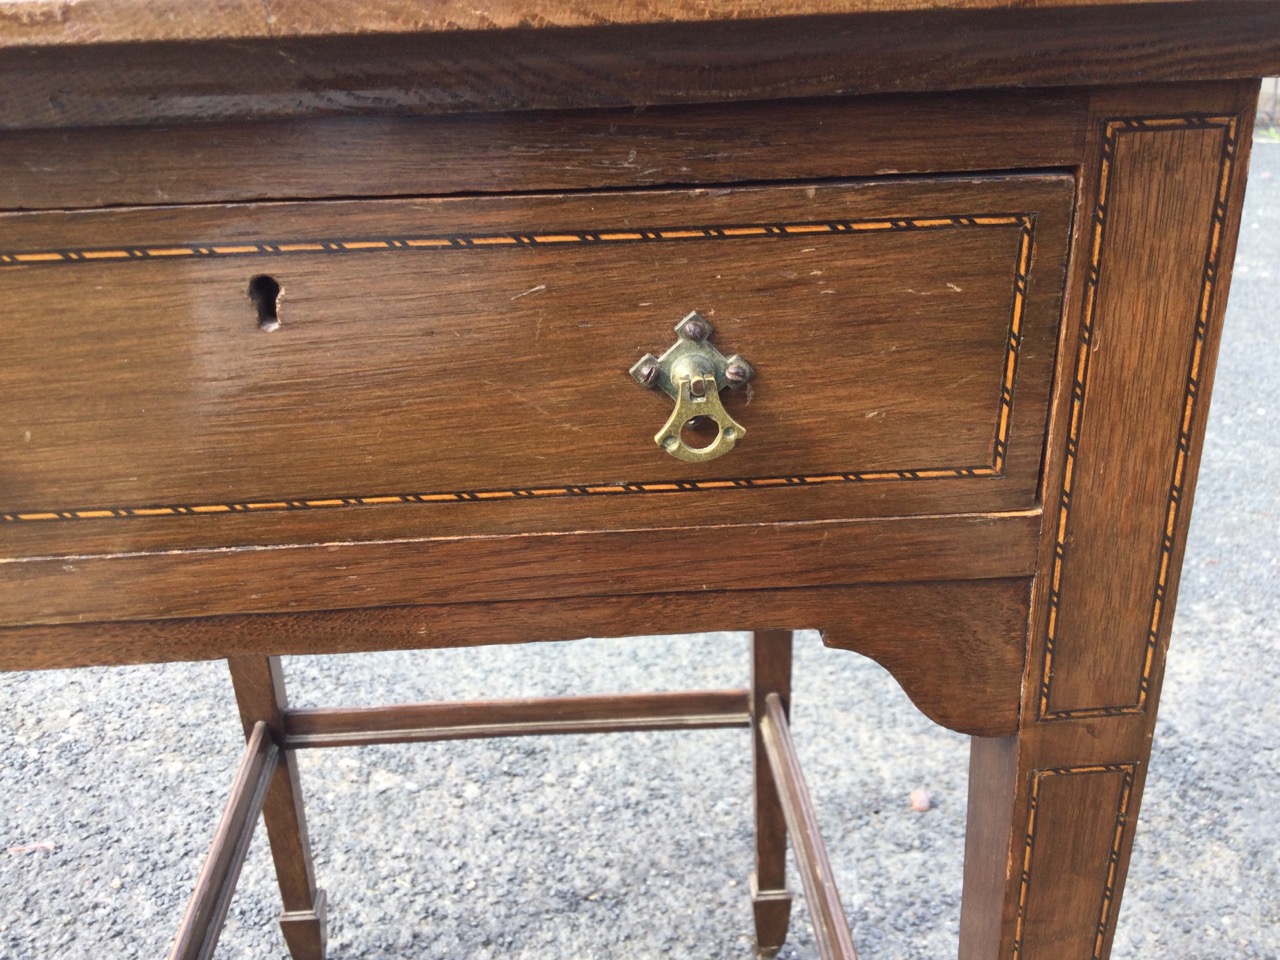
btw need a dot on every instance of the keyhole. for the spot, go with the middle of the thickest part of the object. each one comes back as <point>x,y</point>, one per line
<point>264,291</point>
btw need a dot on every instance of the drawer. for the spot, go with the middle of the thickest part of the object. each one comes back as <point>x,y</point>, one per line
<point>448,366</point>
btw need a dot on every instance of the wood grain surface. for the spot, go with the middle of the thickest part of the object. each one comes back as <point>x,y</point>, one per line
<point>489,363</point>
<point>316,576</point>
<point>1140,365</point>
<point>27,22</point>
<point>541,150</point>
<point>1144,312</point>
<point>206,912</point>
<point>319,727</point>
<point>643,64</point>
<point>826,907</point>
<point>262,700</point>
<point>770,897</point>
<point>935,638</point>
<point>431,439</point>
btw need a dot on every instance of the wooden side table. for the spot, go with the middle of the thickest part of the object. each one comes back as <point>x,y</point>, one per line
<point>357,328</point>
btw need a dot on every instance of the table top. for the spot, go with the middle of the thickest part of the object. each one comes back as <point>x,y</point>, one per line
<point>173,61</point>
<point>59,22</point>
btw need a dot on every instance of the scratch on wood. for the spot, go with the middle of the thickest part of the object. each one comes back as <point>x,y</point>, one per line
<point>539,288</point>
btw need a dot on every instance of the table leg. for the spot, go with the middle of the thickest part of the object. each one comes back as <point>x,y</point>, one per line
<point>1048,845</point>
<point>1052,810</point>
<point>260,693</point>
<point>770,899</point>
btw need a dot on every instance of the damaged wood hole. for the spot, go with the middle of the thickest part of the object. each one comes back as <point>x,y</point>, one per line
<point>264,291</point>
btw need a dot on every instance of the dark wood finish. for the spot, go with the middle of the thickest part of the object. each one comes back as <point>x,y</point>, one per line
<point>1066,789</point>
<point>1139,376</point>
<point>546,150</point>
<point>987,856</point>
<point>973,461</point>
<point>424,722</point>
<point>890,352</point>
<point>933,637</point>
<point>261,696</point>
<point>770,898</point>
<point>198,935</point>
<point>707,58</point>
<point>830,926</point>
<point>337,575</point>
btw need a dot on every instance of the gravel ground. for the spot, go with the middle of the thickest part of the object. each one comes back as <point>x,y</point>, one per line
<point>624,846</point>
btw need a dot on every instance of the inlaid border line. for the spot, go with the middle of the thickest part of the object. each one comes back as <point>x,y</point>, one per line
<point>1022,268</point>
<point>1021,280</point>
<point>473,496</point>
<point>1106,910</point>
<point>63,257</point>
<point>1111,134</point>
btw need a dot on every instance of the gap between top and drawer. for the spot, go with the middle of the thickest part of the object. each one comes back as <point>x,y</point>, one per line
<point>543,152</point>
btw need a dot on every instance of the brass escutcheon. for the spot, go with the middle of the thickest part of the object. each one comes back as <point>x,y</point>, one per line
<point>692,372</point>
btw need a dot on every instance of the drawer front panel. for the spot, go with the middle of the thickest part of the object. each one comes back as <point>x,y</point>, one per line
<point>451,363</point>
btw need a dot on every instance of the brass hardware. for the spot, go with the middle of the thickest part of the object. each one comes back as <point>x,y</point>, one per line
<point>692,373</point>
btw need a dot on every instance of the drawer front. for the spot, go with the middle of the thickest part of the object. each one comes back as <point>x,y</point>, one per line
<point>459,366</point>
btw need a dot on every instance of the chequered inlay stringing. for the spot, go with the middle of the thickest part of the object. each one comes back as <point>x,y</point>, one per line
<point>1113,130</point>
<point>1025,222</point>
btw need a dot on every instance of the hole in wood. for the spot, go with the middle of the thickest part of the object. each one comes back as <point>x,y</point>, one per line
<point>699,433</point>
<point>264,291</point>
